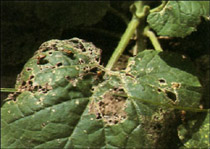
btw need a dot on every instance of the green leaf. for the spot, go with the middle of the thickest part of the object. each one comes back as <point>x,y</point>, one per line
<point>120,126</point>
<point>71,13</point>
<point>124,111</point>
<point>157,82</point>
<point>178,18</point>
<point>199,137</point>
<point>163,77</point>
<point>151,80</point>
<point>53,17</point>
<point>55,85</point>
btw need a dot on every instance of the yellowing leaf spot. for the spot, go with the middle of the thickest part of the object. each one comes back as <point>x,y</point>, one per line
<point>175,85</point>
<point>149,70</point>
<point>38,102</point>
<point>77,102</point>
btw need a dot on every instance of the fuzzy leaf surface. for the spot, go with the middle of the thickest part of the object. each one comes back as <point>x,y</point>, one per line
<point>178,18</point>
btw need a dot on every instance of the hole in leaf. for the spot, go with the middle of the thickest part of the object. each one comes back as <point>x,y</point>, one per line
<point>162,81</point>
<point>159,90</point>
<point>44,90</point>
<point>72,56</point>
<point>111,108</point>
<point>97,59</point>
<point>94,70</point>
<point>98,116</point>
<point>92,89</point>
<point>81,61</point>
<point>171,95</point>
<point>23,83</point>
<point>45,49</point>
<point>31,77</point>
<point>101,103</point>
<point>59,64</point>
<point>30,83</point>
<point>68,78</point>
<point>75,41</point>
<point>81,46</point>
<point>35,88</point>
<point>42,62</point>
<point>28,69</point>
<point>54,45</point>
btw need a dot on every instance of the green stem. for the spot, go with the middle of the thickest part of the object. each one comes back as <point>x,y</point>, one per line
<point>139,12</point>
<point>140,41</point>
<point>159,8</point>
<point>123,42</point>
<point>8,90</point>
<point>153,39</point>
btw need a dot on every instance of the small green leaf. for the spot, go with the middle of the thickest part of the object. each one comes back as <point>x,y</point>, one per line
<point>178,18</point>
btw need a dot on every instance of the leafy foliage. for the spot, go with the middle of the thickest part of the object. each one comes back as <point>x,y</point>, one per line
<point>178,18</point>
<point>72,13</point>
<point>53,17</point>
<point>165,75</point>
<point>63,116</point>
<point>65,99</point>
<point>54,86</point>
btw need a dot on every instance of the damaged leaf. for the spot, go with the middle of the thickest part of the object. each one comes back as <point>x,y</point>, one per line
<point>124,111</point>
<point>121,124</point>
<point>165,77</point>
<point>53,90</point>
<point>178,18</point>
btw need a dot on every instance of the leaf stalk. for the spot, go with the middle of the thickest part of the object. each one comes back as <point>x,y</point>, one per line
<point>139,13</point>
<point>153,39</point>
<point>8,90</point>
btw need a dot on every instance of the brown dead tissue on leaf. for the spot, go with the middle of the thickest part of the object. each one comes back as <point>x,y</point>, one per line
<point>111,108</point>
<point>175,85</point>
